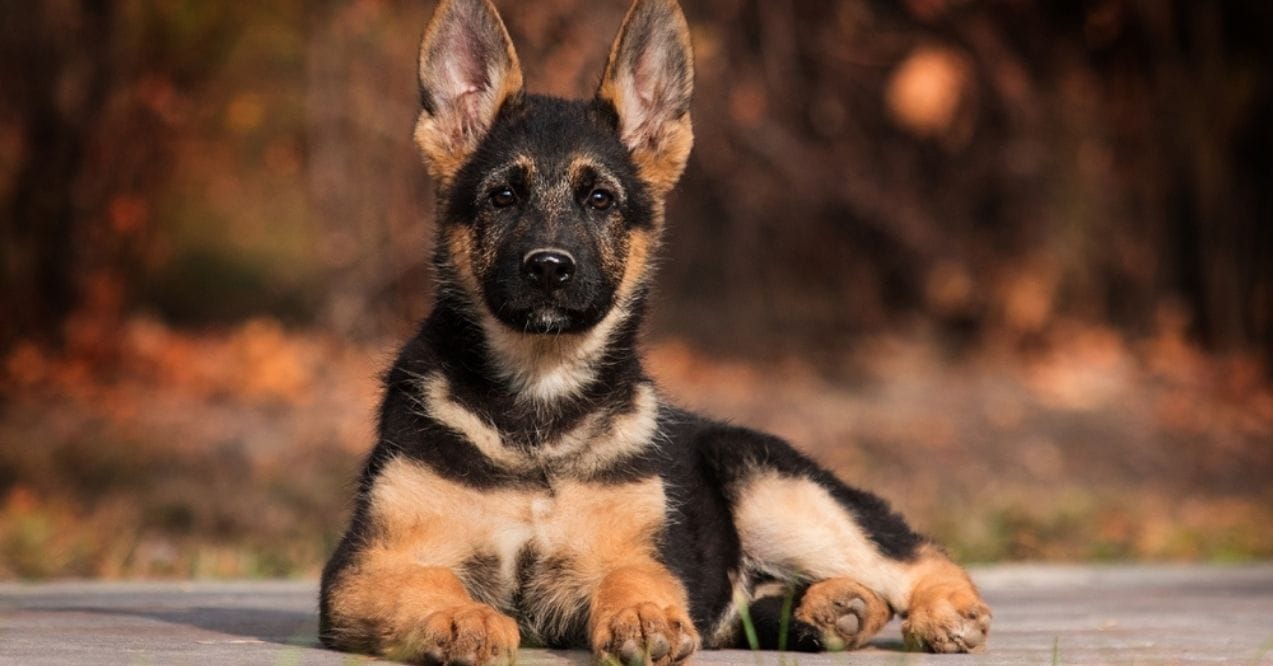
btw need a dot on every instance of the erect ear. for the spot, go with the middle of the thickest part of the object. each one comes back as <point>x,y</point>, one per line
<point>649,80</point>
<point>468,69</point>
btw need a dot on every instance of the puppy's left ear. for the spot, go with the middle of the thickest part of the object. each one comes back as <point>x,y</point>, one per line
<point>649,80</point>
<point>468,71</point>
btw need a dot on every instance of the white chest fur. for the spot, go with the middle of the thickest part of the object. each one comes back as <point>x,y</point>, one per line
<point>598,440</point>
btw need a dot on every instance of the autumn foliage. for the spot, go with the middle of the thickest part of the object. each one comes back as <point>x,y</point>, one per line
<point>1008,263</point>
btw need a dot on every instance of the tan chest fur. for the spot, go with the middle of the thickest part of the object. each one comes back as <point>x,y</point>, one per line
<point>545,548</point>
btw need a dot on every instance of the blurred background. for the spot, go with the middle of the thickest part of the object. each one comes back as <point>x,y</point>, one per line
<point>1007,263</point>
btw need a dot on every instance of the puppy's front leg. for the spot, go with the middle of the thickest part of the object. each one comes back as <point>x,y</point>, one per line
<point>392,587</point>
<point>408,612</point>
<point>639,613</point>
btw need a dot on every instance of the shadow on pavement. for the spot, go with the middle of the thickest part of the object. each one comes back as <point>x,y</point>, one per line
<point>271,625</point>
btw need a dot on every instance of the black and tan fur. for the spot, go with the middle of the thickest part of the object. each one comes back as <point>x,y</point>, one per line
<point>530,484</point>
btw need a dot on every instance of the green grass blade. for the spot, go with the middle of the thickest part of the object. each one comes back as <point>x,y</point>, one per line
<point>749,628</point>
<point>784,622</point>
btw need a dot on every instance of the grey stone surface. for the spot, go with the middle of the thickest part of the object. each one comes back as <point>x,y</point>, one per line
<point>1043,615</point>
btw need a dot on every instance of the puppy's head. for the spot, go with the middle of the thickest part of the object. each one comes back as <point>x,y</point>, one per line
<point>549,208</point>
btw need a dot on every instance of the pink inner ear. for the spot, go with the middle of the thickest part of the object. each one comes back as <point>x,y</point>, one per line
<point>648,94</point>
<point>646,78</point>
<point>464,67</point>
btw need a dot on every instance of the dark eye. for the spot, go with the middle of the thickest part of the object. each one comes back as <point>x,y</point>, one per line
<point>503,197</point>
<point>600,200</point>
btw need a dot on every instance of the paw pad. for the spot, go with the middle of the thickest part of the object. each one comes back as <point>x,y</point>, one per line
<point>846,613</point>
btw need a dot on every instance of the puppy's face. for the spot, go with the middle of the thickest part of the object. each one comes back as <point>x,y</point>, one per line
<point>549,207</point>
<point>551,216</point>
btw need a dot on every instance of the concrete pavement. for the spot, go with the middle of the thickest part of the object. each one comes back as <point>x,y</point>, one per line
<point>1043,615</point>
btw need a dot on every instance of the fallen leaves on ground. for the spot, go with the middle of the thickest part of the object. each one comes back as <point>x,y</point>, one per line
<point>233,452</point>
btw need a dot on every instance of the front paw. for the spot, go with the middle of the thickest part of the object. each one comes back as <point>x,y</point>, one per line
<point>846,613</point>
<point>948,619</point>
<point>469,635</point>
<point>644,634</point>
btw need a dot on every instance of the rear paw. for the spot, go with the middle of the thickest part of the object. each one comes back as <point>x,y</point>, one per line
<point>846,613</point>
<point>644,634</point>
<point>957,621</point>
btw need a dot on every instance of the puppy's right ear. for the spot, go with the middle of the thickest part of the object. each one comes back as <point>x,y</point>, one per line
<point>468,69</point>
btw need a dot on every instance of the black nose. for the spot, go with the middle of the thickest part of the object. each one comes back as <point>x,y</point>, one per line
<point>550,269</point>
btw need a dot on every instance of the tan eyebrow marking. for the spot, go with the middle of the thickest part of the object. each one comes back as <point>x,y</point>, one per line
<point>581,163</point>
<point>500,175</point>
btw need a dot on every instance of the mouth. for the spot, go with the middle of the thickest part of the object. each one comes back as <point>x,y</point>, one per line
<point>548,319</point>
<point>541,314</point>
<point>545,319</point>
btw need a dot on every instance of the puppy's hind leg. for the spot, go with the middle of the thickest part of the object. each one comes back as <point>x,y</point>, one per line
<point>833,614</point>
<point>797,522</point>
<point>844,613</point>
<point>945,611</point>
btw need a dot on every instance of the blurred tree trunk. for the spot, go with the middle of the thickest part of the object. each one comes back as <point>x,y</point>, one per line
<point>332,193</point>
<point>55,73</point>
<point>364,181</point>
<point>1214,97</point>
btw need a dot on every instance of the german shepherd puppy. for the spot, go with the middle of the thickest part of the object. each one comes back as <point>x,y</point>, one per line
<point>529,482</point>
